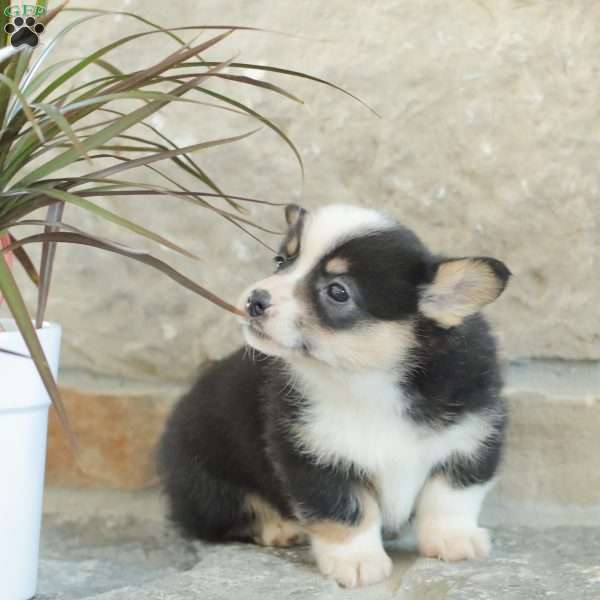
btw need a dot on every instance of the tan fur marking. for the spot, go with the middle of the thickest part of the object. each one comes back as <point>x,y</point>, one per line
<point>380,345</point>
<point>460,288</point>
<point>270,528</point>
<point>338,533</point>
<point>292,246</point>
<point>337,266</point>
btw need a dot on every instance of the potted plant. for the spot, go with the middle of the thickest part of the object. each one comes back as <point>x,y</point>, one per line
<point>52,119</point>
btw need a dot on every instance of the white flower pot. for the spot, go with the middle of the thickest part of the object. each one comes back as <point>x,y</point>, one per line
<point>24,406</point>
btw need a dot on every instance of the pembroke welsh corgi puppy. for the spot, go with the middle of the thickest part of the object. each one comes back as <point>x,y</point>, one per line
<point>368,395</point>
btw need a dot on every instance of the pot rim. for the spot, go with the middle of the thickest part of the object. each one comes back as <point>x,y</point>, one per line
<point>11,332</point>
<point>21,386</point>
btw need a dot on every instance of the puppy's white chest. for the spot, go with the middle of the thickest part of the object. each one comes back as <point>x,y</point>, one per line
<point>358,421</point>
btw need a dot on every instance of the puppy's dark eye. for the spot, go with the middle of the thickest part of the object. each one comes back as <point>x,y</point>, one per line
<point>279,260</point>
<point>337,292</point>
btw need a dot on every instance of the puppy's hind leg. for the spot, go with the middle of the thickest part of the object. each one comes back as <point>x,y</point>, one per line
<point>206,508</point>
<point>270,528</point>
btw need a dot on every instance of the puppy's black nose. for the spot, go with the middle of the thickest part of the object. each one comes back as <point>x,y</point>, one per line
<point>258,302</point>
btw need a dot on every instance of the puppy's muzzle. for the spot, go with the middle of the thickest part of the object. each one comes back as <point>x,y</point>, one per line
<point>257,303</point>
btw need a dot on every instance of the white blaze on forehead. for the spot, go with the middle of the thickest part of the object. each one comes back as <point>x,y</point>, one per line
<point>322,231</point>
<point>330,226</point>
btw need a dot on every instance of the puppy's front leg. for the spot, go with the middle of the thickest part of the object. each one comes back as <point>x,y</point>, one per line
<point>352,552</point>
<point>447,520</point>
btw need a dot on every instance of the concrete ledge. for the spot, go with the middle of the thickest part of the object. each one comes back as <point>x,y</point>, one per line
<point>553,441</point>
<point>117,424</point>
<point>554,434</point>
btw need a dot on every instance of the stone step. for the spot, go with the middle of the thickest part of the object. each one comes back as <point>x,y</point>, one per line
<point>553,440</point>
<point>114,546</point>
<point>526,564</point>
<point>554,434</point>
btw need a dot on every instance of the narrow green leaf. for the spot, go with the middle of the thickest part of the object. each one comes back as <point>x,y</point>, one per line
<point>24,105</point>
<point>173,60</point>
<point>16,305</point>
<point>146,160</point>
<point>186,162</point>
<point>109,67</point>
<point>4,4</point>
<point>51,14</point>
<point>107,215</point>
<point>5,351</point>
<point>291,72</point>
<point>59,226</point>
<point>48,47</point>
<point>148,259</point>
<point>261,118</point>
<point>26,262</point>
<point>257,83</point>
<point>95,56</point>
<point>5,92</point>
<point>32,83</point>
<point>60,121</point>
<point>22,64</point>
<point>109,190</point>
<point>131,95</point>
<point>28,206</point>
<point>55,213</point>
<point>101,12</point>
<point>99,138</point>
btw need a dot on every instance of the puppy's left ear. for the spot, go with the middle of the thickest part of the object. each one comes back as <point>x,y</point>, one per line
<point>462,286</point>
<point>294,214</point>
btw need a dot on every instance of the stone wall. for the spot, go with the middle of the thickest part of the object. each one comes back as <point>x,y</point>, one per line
<point>487,144</point>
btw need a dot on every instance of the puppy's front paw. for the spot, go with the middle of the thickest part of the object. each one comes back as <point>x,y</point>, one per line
<point>439,540</point>
<point>356,569</point>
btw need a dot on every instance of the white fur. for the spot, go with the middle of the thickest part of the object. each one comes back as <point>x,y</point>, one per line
<point>358,418</point>
<point>322,231</point>
<point>361,560</point>
<point>447,521</point>
<point>331,225</point>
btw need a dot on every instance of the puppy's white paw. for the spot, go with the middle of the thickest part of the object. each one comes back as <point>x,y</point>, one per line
<point>439,540</point>
<point>356,569</point>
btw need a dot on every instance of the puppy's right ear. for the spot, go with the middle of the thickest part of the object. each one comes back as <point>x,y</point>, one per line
<point>294,214</point>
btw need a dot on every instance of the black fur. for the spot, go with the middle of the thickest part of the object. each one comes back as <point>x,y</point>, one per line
<point>213,453</point>
<point>230,436</point>
<point>462,472</point>
<point>454,371</point>
<point>216,450</point>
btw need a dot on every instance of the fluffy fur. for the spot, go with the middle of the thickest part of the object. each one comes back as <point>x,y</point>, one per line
<point>371,394</point>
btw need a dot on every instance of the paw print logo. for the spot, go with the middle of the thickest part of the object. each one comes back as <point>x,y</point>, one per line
<point>24,31</point>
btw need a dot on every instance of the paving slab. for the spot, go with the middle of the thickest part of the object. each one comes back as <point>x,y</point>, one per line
<point>117,547</point>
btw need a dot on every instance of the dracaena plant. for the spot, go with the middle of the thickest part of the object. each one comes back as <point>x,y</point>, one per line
<point>52,118</point>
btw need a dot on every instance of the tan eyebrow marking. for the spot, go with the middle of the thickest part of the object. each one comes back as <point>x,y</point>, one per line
<point>337,266</point>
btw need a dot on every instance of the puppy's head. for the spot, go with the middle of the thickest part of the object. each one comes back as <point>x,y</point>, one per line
<point>349,284</point>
